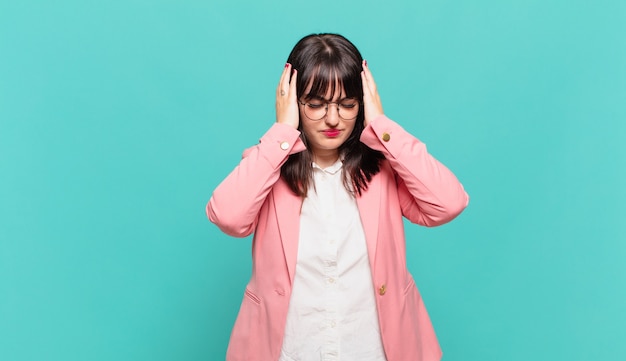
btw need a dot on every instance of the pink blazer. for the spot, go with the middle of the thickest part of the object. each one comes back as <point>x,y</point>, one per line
<point>254,199</point>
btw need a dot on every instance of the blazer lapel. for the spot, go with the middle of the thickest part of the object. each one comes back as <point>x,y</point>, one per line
<point>287,206</point>
<point>369,208</point>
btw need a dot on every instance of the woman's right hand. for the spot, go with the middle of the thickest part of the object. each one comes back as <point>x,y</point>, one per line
<point>287,111</point>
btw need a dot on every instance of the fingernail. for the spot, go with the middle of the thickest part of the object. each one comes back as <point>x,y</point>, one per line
<point>286,65</point>
<point>365,62</point>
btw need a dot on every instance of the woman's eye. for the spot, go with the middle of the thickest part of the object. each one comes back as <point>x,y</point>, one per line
<point>348,105</point>
<point>315,105</point>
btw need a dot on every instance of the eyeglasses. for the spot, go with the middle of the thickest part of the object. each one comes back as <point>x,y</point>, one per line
<point>316,109</point>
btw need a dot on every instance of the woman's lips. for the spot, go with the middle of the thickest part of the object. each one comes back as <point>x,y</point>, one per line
<point>331,133</point>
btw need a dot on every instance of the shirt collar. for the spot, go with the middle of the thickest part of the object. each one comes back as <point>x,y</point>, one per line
<point>332,169</point>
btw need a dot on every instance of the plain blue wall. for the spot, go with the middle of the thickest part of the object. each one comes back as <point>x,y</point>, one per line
<point>119,118</point>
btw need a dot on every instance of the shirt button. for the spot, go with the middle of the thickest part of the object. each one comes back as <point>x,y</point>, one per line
<point>284,145</point>
<point>332,324</point>
<point>386,137</point>
<point>382,290</point>
<point>331,280</point>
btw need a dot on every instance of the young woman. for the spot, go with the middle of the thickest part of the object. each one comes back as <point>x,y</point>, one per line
<point>324,193</point>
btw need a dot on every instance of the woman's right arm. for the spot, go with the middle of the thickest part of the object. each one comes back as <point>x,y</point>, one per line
<point>236,202</point>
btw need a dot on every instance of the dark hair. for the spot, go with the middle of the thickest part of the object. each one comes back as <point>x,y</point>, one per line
<point>326,61</point>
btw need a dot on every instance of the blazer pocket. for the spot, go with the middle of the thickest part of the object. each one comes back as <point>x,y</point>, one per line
<point>252,297</point>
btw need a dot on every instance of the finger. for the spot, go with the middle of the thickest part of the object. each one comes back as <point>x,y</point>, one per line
<point>292,84</point>
<point>370,78</point>
<point>282,76</point>
<point>366,89</point>
<point>283,84</point>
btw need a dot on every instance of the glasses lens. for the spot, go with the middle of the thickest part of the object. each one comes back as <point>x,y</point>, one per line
<point>348,109</point>
<point>315,109</point>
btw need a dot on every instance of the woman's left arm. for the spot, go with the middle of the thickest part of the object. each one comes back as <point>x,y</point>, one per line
<point>430,194</point>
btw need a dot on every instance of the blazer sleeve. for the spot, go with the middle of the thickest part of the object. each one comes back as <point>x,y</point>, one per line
<point>429,193</point>
<point>236,202</point>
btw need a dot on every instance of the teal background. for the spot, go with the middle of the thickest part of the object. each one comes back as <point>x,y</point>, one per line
<point>119,118</point>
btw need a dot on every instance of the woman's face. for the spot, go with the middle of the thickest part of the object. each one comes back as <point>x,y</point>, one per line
<point>326,135</point>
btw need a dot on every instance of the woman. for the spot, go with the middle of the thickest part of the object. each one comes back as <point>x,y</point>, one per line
<point>324,193</point>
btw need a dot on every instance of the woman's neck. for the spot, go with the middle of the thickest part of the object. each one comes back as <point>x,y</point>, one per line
<point>325,158</point>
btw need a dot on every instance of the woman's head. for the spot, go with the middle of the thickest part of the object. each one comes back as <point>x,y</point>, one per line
<point>329,70</point>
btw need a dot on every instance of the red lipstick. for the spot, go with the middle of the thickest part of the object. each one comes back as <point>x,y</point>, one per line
<point>331,133</point>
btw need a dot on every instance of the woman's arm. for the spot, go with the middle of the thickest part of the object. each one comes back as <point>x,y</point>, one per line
<point>429,193</point>
<point>236,202</point>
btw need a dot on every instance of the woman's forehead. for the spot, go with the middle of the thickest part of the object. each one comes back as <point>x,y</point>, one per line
<point>334,90</point>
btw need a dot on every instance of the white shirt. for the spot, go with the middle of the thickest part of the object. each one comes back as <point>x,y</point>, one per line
<point>332,311</point>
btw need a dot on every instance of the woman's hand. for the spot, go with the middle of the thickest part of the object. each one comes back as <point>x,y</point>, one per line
<point>371,99</point>
<point>287,111</point>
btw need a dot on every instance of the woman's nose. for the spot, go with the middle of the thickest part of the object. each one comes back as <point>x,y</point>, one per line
<point>332,114</point>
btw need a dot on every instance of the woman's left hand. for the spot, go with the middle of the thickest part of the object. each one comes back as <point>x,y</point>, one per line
<point>371,100</point>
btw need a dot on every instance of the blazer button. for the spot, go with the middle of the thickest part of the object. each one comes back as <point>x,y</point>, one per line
<point>386,137</point>
<point>284,145</point>
<point>382,290</point>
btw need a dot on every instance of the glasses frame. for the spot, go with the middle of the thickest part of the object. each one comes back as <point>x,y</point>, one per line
<point>327,104</point>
